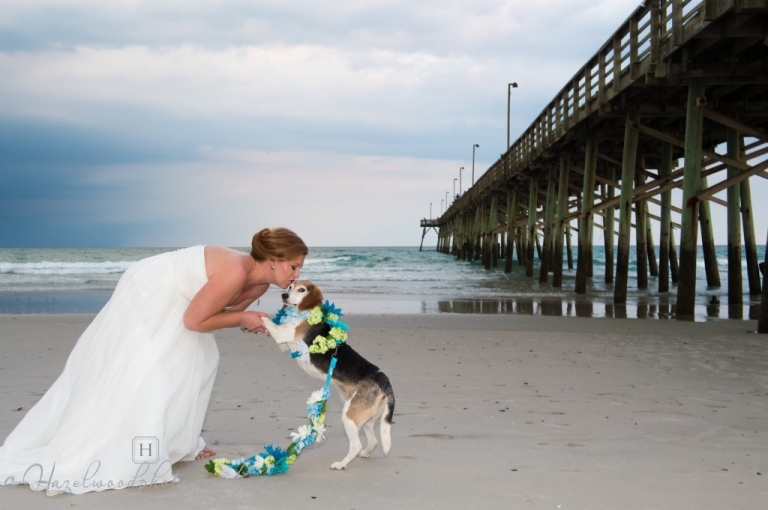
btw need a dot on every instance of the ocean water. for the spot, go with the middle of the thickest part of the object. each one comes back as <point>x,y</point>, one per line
<point>366,280</point>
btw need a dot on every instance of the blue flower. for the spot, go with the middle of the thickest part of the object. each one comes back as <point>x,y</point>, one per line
<point>331,308</point>
<point>288,314</point>
<point>338,324</point>
<point>279,316</point>
<point>279,467</point>
<point>276,452</point>
<point>315,409</point>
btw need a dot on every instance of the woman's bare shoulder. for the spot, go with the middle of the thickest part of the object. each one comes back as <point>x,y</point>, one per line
<point>219,259</point>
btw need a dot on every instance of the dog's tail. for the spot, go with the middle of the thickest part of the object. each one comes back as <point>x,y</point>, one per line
<point>386,416</point>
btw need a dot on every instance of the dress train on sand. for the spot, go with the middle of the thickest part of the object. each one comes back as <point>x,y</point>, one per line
<point>133,394</point>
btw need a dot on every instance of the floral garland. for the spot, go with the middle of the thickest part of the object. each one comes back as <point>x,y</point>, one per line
<point>328,313</point>
<point>274,460</point>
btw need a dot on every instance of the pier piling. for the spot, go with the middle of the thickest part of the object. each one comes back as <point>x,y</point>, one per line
<point>641,236</point>
<point>762,320</point>
<point>562,209</point>
<point>610,222</point>
<point>750,246</point>
<point>585,219</point>
<point>511,220</point>
<point>549,215</point>
<point>532,239</point>
<point>631,138</point>
<point>708,241</point>
<point>686,288</point>
<point>665,227</point>
<point>735,286</point>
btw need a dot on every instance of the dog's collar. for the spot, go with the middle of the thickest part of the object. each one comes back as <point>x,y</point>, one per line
<point>288,314</point>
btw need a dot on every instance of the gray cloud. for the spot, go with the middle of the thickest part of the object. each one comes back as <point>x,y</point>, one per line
<point>435,27</point>
<point>113,113</point>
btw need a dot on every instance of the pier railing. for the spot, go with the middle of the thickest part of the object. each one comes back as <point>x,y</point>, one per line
<point>639,47</point>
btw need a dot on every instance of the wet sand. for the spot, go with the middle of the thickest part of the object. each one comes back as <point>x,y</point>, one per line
<point>496,411</point>
<point>567,305</point>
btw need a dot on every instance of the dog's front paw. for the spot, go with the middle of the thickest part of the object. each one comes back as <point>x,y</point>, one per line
<point>338,466</point>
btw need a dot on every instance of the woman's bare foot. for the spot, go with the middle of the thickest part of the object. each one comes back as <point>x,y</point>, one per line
<point>205,453</point>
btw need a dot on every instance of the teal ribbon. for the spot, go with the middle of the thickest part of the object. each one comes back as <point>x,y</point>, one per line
<point>330,373</point>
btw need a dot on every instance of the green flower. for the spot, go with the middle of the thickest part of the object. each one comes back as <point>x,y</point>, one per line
<point>321,345</point>
<point>315,316</point>
<point>338,334</point>
<point>217,463</point>
<point>318,345</point>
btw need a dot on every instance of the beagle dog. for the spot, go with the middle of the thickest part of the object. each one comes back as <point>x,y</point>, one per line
<point>367,392</point>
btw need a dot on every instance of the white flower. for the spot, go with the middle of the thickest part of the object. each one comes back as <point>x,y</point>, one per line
<point>320,429</point>
<point>229,473</point>
<point>316,396</point>
<point>258,462</point>
<point>302,433</point>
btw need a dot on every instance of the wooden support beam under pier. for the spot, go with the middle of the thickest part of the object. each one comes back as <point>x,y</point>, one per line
<point>686,289</point>
<point>562,200</point>
<point>735,284</point>
<point>631,139</point>
<point>665,222</point>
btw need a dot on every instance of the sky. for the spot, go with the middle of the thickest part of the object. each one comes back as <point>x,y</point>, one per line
<point>181,122</point>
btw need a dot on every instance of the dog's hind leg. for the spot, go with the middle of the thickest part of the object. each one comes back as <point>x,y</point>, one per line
<point>384,428</point>
<point>370,438</point>
<point>353,435</point>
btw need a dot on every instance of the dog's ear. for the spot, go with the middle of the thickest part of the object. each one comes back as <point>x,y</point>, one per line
<point>313,298</point>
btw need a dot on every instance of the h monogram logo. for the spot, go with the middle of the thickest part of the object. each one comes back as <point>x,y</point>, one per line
<point>146,449</point>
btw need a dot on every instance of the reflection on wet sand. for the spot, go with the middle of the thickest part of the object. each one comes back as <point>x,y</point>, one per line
<point>661,308</point>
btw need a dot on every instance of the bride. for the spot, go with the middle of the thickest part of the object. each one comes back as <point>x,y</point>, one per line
<point>134,391</point>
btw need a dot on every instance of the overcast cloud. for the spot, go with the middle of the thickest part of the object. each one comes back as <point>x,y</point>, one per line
<point>138,123</point>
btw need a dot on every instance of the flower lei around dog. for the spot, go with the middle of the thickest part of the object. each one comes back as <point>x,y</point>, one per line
<point>331,315</point>
<point>274,460</point>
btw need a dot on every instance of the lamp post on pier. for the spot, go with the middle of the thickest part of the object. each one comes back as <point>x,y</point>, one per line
<point>460,169</point>
<point>430,210</point>
<point>475,146</point>
<point>454,188</point>
<point>511,86</point>
<point>446,201</point>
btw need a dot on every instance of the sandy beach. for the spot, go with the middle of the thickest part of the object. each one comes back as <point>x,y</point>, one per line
<point>499,411</point>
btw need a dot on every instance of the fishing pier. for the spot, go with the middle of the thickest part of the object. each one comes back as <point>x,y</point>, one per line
<point>678,80</point>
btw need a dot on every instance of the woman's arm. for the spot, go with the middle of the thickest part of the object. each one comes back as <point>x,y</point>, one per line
<point>206,311</point>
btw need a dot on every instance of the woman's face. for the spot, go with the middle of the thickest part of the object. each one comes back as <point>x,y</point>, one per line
<point>288,271</point>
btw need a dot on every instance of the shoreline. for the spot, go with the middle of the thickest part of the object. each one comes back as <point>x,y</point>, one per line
<point>500,411</point>
<point>74,302</point>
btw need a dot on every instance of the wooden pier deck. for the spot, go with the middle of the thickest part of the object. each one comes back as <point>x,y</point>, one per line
<point>678,79</point>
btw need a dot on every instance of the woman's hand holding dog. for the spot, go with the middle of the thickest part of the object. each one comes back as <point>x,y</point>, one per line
<point>252,321</point>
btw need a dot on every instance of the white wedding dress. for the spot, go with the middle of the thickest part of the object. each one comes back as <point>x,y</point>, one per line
<point>133,394</point>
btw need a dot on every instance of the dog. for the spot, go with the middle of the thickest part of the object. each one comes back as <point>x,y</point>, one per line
<point>367,392</point>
